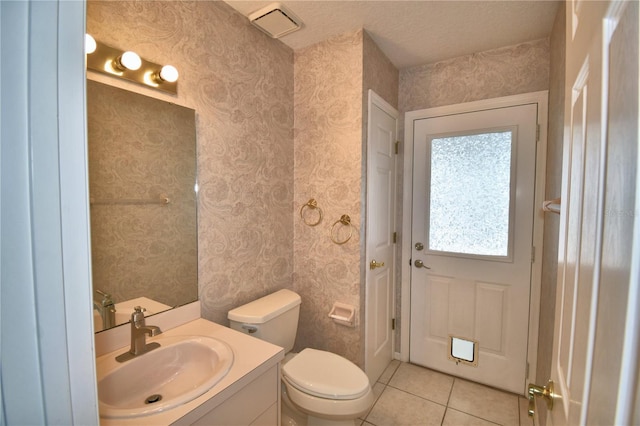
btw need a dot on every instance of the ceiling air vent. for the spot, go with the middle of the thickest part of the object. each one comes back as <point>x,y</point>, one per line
<point>275,20</point>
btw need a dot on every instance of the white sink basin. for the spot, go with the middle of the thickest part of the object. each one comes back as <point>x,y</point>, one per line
<point>180,370</point>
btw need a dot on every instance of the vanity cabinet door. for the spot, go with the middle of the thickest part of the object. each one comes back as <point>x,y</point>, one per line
<point>255,404</point>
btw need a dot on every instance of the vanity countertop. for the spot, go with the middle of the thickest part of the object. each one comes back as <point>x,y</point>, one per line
<point>252,357</point>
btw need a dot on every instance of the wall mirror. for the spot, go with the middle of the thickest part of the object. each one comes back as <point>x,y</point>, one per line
<point>142,190</point>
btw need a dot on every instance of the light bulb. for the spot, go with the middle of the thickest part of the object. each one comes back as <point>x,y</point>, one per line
<point>90,44</point>
<point>129,60</point>
<point>169,73</point>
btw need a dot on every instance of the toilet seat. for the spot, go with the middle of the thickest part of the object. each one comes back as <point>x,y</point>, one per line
<point>326,375</point>
<point>326,408</point>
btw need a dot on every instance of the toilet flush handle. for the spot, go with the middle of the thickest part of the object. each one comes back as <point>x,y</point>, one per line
<point>250,328</point>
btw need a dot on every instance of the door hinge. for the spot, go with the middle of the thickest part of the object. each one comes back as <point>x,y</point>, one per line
<point>397,146</point>
<point>533,254</point>
<point>393,323</point>
<point>537,132</point>
<point>395,237</point>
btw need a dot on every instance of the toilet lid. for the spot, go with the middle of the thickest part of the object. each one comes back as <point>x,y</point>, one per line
<point>326,375</point>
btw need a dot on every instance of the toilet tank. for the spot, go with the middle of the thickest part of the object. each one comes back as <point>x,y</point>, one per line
<point>273,318</point>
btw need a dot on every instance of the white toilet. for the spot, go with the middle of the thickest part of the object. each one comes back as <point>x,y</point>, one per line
<point>320,388</point>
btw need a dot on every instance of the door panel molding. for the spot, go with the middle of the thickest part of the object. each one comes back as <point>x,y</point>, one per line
<point>539,98</point>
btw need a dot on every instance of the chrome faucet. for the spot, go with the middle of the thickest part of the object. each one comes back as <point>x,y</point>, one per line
<point>139,331</point>
<point>103,303</point>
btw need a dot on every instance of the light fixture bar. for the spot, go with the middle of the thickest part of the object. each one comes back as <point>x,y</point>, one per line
<point>105,59</point>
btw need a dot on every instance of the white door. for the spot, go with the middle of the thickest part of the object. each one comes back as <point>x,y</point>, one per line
<point>472,230</point>
<point>380,244</point>
<point>595,356</point>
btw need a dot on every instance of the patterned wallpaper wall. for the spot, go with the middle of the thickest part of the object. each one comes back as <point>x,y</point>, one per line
<point>509,70</point>
<point>240,82</point>
<point>331,79</point>
<point>328,155</point>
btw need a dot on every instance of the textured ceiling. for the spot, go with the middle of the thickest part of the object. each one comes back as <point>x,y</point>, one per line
<point>418,32</point>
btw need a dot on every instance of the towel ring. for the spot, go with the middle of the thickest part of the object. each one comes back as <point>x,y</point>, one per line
<point>345,220</point>
<point>311,204</point>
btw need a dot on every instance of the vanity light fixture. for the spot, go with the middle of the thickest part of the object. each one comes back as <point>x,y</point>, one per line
<point>89,44</point>
<point>128,61</point>
<point>129,66</point>
<point>168,73</point>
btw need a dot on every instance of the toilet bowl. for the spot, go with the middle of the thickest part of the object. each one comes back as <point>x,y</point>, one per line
<point>326,386</point>
<point>318,387</point>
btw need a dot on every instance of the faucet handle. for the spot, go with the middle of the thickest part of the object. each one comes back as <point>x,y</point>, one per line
<point>138,314</point>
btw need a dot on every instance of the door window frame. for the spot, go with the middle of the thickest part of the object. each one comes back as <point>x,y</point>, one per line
<point>508,257</point>
<point>541,100</point>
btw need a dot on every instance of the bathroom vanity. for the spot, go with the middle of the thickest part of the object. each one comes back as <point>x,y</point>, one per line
<point>249,394</point>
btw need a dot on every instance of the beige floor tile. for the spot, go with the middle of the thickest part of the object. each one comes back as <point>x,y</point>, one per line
<point>484,402</point>
<point>423,382</point>
<point>398,408</point>
<point>377,389</point>
<point>458,418</point>
<point>388,372</point>
<point>525,420</point>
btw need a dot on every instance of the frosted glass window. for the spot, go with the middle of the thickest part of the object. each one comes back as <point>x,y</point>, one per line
<point>470,193</point>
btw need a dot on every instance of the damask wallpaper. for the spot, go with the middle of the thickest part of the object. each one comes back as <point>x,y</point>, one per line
<point>509,70</point>
<point>331,81</point>
<point>240,83</point>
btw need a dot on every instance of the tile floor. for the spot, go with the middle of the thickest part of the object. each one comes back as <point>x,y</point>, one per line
<point>407,394</point>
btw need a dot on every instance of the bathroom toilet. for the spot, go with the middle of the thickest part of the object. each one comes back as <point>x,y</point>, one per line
<point>318,387</point>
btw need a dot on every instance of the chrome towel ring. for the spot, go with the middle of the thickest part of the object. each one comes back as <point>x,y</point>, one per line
<point>312,204</point>
<point>346,221</point>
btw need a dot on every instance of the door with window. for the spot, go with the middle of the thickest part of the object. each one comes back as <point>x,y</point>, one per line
<point>472,230</point>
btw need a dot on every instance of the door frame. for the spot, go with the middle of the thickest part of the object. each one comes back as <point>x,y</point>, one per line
<point>539,98</point>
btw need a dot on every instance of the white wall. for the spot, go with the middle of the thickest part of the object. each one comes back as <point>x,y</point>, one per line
<point>46,343</point>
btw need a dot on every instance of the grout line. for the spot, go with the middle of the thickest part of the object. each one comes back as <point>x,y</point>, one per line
<point>448,399</point>
<point>474,416</point>
<point>417,396</point>
<point>451,390</point>
<point>446,405</point>
<point>376,400</point>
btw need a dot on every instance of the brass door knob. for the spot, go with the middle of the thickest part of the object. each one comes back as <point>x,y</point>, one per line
<point>545,392</point>
<point>374,264</point>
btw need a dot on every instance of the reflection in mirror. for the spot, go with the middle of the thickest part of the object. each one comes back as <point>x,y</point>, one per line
<point>142,176</point>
